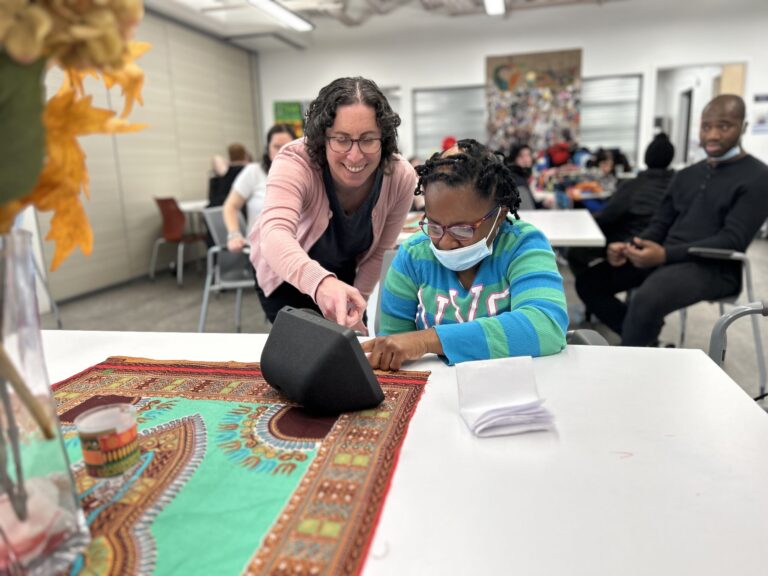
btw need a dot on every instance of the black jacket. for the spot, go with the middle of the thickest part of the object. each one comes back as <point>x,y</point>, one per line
<point>632,206</point>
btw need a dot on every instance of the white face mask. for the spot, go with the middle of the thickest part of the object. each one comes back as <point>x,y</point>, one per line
<point>460,259</point>
<point>732,153</point>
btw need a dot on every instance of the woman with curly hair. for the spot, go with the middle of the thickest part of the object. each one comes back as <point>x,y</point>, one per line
<point>336,201</point>
<point>477,284</point>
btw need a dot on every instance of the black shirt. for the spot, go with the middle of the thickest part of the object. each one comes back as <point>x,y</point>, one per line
<point>348,235</point>
<point>630,209</point>
<point>219,186</point>
<point>711,206</point>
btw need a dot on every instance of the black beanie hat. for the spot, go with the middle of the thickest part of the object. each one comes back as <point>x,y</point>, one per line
<point>660,152</point>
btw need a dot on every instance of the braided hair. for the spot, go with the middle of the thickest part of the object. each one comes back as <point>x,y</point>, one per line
<point>476,165</point>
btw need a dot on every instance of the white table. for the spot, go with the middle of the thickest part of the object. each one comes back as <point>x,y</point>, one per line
<point>561,227</point>
<point>192,206</point>
<point>659,465</point>
<point>194,209</point>
<point>566,227</point>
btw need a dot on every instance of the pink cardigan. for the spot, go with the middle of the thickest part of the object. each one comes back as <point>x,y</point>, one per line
<point>296,213</point>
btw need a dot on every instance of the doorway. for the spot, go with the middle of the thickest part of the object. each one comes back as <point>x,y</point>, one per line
<point>682,93</point>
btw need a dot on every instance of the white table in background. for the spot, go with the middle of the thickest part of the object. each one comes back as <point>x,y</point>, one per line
<point>563,228</point>
<point>192,206</point>
<point>659,465</point>
<point>193,209</point>
<point>566,228</point>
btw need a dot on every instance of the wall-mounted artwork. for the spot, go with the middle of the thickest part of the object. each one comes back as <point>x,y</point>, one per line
<point>533,98</point>
<point>291,113</point>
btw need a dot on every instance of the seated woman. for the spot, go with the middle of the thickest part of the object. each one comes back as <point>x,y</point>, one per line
<point>335,202</point>
<point>477,285</point>
<point>248,189</point>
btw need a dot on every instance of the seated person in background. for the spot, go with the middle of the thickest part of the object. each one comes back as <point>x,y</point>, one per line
<point>418,201</point>
<point>336,201</point>
<point>219,186</point>
<point>719,202</point>
<point>629,210</point>
<point>605,172</point>
<point>249,187</point>
<point>219,166</point>
<point>476,285</point>
<point>520,163</point>
<point>560,151</point>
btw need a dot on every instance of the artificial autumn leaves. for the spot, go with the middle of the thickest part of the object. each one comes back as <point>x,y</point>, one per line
<point>87,38</point>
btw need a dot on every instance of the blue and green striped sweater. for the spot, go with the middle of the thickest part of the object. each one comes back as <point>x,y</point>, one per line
<point>515,306</point>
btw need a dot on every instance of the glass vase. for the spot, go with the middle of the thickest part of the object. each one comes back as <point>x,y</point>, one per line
<point>42,526</point>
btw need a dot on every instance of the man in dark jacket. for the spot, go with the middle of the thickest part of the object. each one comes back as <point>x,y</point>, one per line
<point>720,202</point>
<point>630,209</point>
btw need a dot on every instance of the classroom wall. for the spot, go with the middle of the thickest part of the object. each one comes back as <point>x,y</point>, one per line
<point>625,37</point>
<point>199,96</point>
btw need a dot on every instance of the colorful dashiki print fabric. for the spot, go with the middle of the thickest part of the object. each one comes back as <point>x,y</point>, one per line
<point>232,479</point>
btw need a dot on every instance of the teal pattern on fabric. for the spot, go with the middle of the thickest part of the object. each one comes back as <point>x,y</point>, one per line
<point>515,307</point>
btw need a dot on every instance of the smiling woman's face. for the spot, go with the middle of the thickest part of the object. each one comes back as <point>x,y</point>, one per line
<point>353,169</point>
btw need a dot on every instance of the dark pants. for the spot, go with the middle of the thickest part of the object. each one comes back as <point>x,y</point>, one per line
<point>656,293</point>
<point>285,295</point>
<point>579,258</point>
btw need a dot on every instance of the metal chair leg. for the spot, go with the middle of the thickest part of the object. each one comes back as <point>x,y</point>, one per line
<point>54,306</point>
<point>206,296</point>
<point>683,320</point>
<point>238,304</point>
<point>180,265</point>
<point>153,260</point>
<point>761,371</point>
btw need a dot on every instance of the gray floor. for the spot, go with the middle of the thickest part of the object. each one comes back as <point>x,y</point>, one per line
<point>160,306</point>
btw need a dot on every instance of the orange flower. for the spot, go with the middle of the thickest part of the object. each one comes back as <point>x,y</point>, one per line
<point>66,117</point>
<point>128,76</point>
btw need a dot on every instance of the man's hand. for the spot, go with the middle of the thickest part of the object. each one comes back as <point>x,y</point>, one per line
<point>389,352</point>
<point>645,253</point>
<point>340,302</point>
<point>616,254</point>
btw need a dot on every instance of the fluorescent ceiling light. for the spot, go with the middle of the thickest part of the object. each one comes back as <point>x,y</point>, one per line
<point>282,13</point>
<point>495,7</point>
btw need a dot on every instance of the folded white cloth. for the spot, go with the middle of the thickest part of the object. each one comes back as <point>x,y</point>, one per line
<point>498,397</point>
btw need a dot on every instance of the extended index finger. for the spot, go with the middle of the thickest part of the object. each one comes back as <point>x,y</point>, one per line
<point>368,345</point>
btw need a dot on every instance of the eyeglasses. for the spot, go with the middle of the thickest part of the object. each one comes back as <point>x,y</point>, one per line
<point>343,144</point>
<point>461,232</point>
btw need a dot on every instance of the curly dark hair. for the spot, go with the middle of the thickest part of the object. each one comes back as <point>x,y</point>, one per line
<point>266,163</point>
<point>476,165</point>
<point>341,92</point>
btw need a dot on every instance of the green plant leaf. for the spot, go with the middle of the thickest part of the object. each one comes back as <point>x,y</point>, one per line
<point>22,135</point>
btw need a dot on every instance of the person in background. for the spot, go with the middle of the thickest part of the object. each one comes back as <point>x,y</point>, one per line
<point>476,285</point>
<point>447,143</point>
<point>630,209</point>
<point>219,185</point>
<point>219,165</point>
<point>336,201</point>
<point>605,170</point>
<point>249,187</point>
<point>560,151</point>
<point>418,201</point>
<point>720,202</point>
<point>520,163</point>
